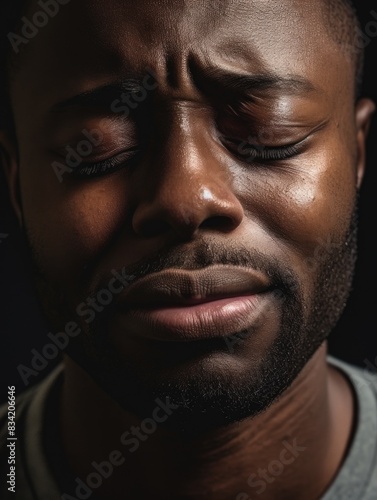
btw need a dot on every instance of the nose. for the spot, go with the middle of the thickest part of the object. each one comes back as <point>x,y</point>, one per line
<point>186,184</point>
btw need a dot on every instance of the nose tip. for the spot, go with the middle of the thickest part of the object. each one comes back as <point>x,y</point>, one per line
<point>185,218</point>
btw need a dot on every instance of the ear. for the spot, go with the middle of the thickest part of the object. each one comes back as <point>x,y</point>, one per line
<point>10,165</point>
<point>364,112</point>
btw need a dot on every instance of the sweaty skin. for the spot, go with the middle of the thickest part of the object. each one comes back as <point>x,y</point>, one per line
<point>192,193</point>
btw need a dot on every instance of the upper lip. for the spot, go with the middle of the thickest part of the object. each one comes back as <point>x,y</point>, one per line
<point>184,288</point>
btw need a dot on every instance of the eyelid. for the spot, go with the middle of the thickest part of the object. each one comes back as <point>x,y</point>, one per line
<point>107,165</point>
<point>63,153</point>
<point>267,146</point>
<point>268,153</point>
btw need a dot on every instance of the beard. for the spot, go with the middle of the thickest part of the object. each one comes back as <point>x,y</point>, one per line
<point>202,381</point>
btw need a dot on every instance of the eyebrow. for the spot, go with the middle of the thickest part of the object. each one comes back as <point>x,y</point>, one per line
<point>100,96</point>
<point>235,83</point>
<point>210,80</point>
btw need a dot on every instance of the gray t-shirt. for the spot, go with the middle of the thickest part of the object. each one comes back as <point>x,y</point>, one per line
<point>38,479</point>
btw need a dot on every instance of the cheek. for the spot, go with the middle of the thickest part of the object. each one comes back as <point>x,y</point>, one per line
<point>71,224</point>
<point>304,210</point>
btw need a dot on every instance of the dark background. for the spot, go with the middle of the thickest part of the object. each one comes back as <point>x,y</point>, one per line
<point>354,339</point>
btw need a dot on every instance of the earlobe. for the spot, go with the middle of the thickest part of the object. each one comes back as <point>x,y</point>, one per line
<point>365,109</point>
<point>9,163</point>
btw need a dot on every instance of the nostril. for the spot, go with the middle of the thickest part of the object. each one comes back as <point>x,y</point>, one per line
<point>218,222</point>
<point>154,227</point>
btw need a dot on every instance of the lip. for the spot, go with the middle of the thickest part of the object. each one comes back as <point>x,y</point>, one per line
<point>181,305</point>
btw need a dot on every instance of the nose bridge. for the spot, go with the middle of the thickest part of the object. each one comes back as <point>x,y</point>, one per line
<point>189,184</point>
<point>185,157</point>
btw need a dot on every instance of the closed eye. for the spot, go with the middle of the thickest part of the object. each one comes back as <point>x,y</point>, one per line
<point>106,166</point>
<point>260,153</point>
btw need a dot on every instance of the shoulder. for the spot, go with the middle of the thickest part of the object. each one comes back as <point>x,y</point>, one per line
<point>365,377</point>
<point>358,475</point>
<point>23,417</point>
<point>13,411</point>
<point>11,425</point>
<point>22,401</point>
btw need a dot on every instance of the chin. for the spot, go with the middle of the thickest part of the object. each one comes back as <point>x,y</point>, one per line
<point>207,391</point>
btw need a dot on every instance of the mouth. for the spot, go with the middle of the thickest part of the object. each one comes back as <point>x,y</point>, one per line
<point>188,306</point>
<point>210,319</point>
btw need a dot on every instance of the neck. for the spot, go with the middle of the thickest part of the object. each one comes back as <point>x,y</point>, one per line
<point>292,450</point>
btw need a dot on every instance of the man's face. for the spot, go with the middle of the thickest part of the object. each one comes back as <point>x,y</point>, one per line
<point>239,149</point>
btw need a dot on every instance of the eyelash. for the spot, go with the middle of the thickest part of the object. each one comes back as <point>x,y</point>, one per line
<point>109,165</point>
<point>252,153</point>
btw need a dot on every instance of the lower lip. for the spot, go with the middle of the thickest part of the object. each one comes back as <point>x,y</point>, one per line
<point>218,318</point>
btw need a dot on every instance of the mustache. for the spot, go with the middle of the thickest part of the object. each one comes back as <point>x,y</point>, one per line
<point>203,255</point>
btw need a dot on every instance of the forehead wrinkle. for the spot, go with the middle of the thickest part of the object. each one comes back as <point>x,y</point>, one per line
<point>261,52</point>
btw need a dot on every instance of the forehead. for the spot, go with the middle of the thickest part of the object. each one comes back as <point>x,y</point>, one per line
<point>97,40</point>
